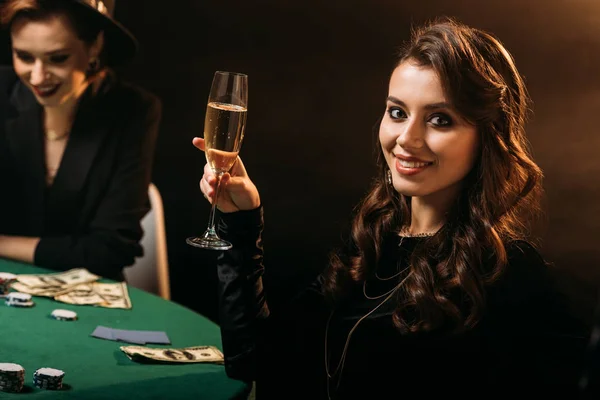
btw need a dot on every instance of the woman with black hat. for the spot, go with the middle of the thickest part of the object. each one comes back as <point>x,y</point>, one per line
<point>76,143</point>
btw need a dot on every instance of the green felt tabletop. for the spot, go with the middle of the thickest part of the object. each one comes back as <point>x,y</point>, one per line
<point>98,369</point>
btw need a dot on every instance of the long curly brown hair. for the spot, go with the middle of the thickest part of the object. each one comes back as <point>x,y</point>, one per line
<point>450,270</point>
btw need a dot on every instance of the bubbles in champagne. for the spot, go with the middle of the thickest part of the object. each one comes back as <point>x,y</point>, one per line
<point>220,161</point>
<point>223,134</point>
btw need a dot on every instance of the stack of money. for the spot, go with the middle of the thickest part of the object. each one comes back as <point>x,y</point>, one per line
<point>76,286</point>
<point>196,354</point>
<point>51,285</point>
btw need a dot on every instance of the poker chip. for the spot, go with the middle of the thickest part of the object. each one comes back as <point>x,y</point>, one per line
<point>64,315</point>
<point>6,279</point>
<point>48,378</point>
<point>12,377</point>
<point>26,304</point>
<point>16,299</point>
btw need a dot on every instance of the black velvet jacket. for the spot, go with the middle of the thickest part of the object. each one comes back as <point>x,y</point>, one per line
<point>526,343</point>
<point>90,216</point>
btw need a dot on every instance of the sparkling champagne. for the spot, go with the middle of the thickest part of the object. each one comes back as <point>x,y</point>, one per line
<point>223,134</point>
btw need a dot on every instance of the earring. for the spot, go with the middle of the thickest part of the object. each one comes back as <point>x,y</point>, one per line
<point>93,65</point>
<point>389,177</point>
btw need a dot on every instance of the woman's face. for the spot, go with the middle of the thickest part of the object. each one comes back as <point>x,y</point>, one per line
<point>429,148</point>
<point>50,59</point>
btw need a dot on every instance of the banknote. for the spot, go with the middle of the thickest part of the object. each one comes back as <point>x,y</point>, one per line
<point>109,295</point>
<point>195,354</point>
<point>60,279</point>
<point>76,286</point>
<point>49,291</point>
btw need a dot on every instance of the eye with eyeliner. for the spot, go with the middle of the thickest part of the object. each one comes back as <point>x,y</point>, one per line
<point>396,113</point>
<point>441,120</point>
<point>59,58</point>
<point>25,57</point>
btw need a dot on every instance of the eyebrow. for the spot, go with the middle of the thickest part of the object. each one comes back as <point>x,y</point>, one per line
<point>48,53</point>
<point>427,107</point>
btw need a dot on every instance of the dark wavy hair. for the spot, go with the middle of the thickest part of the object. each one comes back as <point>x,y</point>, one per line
<point>449,271</point>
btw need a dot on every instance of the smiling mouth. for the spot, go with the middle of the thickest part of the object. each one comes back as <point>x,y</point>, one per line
<point>413,164</point>
<point>409,168</point>
<point>46,90</point>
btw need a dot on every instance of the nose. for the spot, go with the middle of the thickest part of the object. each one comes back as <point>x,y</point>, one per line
<point>411,135</point>
<point>38,73</point>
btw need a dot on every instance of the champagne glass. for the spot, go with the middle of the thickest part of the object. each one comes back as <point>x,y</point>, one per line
<point>224,127</point>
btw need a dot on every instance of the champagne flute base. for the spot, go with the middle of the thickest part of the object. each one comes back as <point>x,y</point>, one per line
<point>209,242</point>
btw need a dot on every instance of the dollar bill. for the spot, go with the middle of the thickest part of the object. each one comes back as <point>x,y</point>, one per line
<point>196,354</point>
<point>49,291</point>
<point>109,295</point>
<point>76,286</point>
<point>61,279</point>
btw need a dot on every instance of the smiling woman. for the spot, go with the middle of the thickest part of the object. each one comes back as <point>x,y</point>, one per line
<point>428,146</point>
<point>438,291</point>
<point>52,61</point>
<point>79,142</point>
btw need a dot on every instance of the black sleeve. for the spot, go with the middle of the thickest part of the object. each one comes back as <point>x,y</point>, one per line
<point>255,336</point>
<point>242,304</point>
<point>112,241</point>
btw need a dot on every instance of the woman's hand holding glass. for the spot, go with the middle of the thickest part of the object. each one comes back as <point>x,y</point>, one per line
<point>237,191</point>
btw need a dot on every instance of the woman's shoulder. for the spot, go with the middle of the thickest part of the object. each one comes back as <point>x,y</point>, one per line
<point>525,263</point>
<point>524,254</point>
<point>527,274</point>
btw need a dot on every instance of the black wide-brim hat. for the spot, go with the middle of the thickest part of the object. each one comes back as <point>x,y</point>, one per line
<point>119,44</point>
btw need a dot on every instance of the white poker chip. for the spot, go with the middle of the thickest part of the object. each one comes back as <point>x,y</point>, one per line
<point>7,276</point>
<point>64,315</point>
<point>50,372</point>
<point>11,367</point>
<point>17,297</point>
<point>19,304</point>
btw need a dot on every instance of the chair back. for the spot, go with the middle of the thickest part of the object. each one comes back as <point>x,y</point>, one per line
<point>151,271</point>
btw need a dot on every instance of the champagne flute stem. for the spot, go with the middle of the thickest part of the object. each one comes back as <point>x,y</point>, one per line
<point>213,208</point>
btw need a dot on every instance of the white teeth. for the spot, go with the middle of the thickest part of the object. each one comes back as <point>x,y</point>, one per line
<point>46,89</point>
<point>413,164</point>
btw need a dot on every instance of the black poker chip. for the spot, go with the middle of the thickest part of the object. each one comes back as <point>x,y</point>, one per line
<point>12,377</point>
<point>48,378</point>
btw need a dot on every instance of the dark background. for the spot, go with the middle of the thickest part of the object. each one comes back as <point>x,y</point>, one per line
<point>318,73</point>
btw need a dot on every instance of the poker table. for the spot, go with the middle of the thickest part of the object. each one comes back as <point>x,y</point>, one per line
<point>97,368</point>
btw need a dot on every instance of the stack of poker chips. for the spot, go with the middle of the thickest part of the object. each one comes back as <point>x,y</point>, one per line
<point>5,280</point>
<point>48,378</point>
<point>12,377</point>
<point>17,299</point>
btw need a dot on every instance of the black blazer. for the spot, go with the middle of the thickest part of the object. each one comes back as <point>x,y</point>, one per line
<point>526,342</point>
<point>90,216</point>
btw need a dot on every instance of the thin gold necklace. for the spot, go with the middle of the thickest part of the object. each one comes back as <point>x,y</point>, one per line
<point>404,234</point>
<point>340,366</point>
